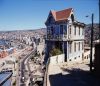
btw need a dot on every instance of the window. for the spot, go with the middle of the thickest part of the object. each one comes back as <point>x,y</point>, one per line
<point>65,29</point>
<point>75,47</point>
<point>70,29</point>
<point>70,48</point>
<point>82,31</point>
<point>75,58</point>
<point>79,46</point>
<point>74,30</point>
<point>72,17</point>
<point>70,60</point>
<point>48,31</point>
<point>82,45</point>
<point>52,30</point>
<point>87,56</point>
<point>79,30</point>
<point>61,29</point>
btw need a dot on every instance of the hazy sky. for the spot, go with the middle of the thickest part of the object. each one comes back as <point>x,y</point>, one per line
<point>32,14</point>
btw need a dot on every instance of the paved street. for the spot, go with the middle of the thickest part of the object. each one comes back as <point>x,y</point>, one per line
<point>23,69</point>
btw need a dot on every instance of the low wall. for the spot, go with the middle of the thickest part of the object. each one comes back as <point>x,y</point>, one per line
<point>57,59</point>
<point>79,59</point>
<point>87,55</point>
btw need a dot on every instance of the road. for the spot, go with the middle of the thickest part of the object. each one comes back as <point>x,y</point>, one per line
<point>36,72</point>
<point>29,71</point>
<point>22,68</point>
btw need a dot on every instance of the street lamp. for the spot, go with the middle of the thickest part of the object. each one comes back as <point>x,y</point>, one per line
<point>92,20</point>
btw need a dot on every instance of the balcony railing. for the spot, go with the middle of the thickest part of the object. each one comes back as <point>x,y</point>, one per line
<point>56,37</point>
<point>62,37</point>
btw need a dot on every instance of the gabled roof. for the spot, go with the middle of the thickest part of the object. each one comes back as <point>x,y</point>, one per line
<point>61,15</point>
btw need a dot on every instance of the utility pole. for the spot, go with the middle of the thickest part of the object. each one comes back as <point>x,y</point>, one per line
<point>99,22</point>
<point>91,64</point>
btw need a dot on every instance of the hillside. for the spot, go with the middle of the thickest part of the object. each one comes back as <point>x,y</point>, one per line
<point>88,32</point>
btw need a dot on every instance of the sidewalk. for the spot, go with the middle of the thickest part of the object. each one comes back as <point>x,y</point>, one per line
<point>71,75</point>
<point>52,70</point>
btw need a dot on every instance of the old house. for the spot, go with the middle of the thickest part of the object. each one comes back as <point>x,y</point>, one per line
<point>65,33</point>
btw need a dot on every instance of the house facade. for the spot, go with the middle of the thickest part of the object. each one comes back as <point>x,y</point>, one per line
<point>65,33</point>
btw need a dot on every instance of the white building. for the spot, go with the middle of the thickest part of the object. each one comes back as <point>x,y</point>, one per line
<point>65,33</point>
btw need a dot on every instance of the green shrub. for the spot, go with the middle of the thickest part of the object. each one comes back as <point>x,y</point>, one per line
<point>55,51</point>
<point>14,84</point>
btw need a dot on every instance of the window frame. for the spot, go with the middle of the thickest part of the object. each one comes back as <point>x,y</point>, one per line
<point>75,30</point>
<point>74,46</point>
<point>79,30</point>
<point>79,46</point>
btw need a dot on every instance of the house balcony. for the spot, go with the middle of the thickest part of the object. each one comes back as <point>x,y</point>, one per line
<point>63,37</point>
<point>57,37</point>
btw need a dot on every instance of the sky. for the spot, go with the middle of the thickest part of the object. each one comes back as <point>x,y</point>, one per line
<point>32,14</point>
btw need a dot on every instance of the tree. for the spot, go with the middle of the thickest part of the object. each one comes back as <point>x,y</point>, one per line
<point>55,51</point>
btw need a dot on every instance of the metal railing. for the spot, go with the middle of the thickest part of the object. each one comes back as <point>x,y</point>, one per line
<point>56,37</point>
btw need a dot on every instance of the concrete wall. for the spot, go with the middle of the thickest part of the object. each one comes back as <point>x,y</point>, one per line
<point>57,59</point>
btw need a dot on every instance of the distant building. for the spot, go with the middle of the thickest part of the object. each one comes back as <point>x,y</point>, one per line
<point>6,52</point>
<point>3,53</point>
<point>65,33</point>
